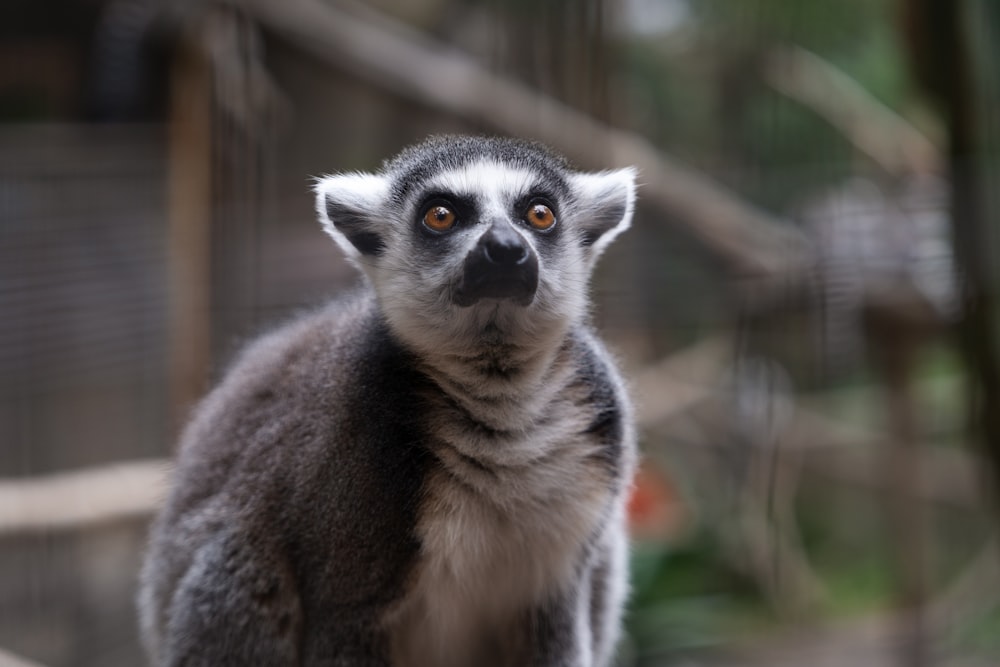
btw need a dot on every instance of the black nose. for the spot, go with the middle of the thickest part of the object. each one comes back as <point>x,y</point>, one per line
<point>503,246</point>
<point>501,266</point>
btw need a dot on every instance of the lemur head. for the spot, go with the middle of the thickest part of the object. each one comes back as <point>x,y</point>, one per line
<point>472,240</point>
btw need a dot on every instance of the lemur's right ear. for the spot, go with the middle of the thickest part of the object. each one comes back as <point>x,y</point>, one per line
<point>349,207</point>
<point>608,200</point>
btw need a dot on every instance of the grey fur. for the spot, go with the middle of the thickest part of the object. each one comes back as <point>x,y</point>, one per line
<point>421,474</point>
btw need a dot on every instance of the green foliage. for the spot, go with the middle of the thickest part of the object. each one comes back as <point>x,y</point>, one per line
<point>700,94</point>
<point>819,25</point>
<point>982,635</point>
<point>687,598</point>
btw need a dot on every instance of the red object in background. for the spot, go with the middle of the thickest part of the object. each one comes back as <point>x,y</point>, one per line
<point>655,508</point>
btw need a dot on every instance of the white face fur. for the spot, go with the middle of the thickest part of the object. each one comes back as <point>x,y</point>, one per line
<point>487,184</point>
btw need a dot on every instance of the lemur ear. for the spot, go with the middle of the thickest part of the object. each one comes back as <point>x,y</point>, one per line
<point>349,207</point>
<point>608,197</point>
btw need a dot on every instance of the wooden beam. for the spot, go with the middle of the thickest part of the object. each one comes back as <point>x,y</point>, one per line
<point>82,498</point>
<point>404,62</point>
<point>8,659</point>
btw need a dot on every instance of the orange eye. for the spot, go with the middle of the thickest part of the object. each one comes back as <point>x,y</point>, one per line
<point>541,216</point>
<point>439,218</point>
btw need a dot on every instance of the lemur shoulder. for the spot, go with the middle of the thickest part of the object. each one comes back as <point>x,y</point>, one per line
<point>432,471</point>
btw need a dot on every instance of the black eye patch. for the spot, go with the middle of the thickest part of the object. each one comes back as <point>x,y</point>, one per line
<point>546,237</point>
<point>440,243</point>
<point>535,196</point>
<point>465,208</point>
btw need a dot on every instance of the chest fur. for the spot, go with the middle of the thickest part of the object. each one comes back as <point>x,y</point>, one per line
<point>496,540</point>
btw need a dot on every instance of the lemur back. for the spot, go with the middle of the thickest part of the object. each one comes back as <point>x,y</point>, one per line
<point>431,471</point>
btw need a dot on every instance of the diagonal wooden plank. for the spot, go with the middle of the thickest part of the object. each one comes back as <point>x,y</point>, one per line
<point>405,63</point>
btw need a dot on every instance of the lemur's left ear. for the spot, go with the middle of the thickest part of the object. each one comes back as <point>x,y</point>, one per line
<point>608,197</point>
<point>349,207</point>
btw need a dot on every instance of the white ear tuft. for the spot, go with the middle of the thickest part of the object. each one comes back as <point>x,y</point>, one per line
<point>606,200</point>
<point>350,209</point>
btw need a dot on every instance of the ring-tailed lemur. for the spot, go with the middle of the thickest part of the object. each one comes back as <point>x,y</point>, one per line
<point>432,472</point>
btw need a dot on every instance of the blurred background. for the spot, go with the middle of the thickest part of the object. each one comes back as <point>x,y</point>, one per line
<point>806,304</point>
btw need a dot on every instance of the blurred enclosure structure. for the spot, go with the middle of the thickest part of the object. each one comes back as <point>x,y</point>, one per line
<point>806,303</point>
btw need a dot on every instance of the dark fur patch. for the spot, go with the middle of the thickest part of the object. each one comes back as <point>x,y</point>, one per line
<point>601,222</point>
<point>417,164</point>
<point>607,424</point>
<point>356,226</point>
<point>337,513</point>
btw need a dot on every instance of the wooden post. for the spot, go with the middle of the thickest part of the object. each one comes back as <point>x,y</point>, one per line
<point>189,235</point>
<point>896,335</point>
<point>942,49</point>
<point>906,514</point>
